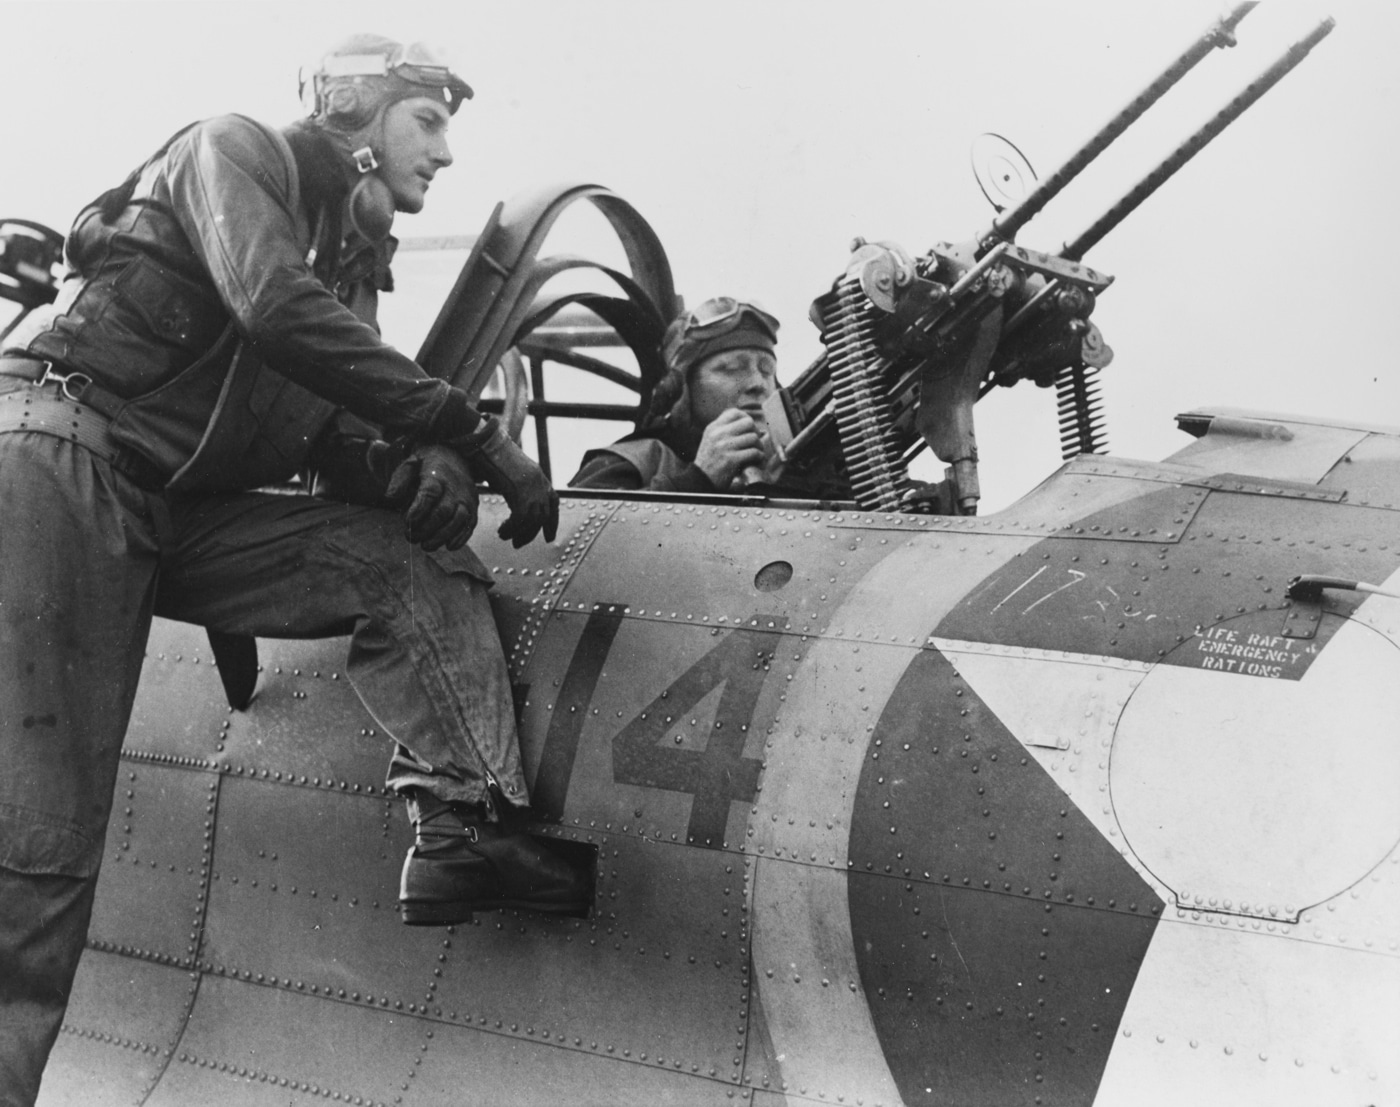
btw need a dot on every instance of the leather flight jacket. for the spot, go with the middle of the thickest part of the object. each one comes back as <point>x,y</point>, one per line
<point>198,307</point>
<point>655,461</point>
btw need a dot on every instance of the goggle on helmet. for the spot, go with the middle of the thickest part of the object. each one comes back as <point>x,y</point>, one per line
<point>412,67</point>
<point>703,329</point>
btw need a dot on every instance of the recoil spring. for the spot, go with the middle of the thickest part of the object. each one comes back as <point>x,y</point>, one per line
<point>863,416</point>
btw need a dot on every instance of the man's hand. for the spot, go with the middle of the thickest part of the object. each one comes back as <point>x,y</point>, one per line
<point>730,444</point>
<point>533,502</point>
<point>438,495</point>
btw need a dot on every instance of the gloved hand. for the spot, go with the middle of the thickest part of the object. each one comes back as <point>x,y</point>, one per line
<point>438,495</point>
<point>355,469</point>
<point>731,445</point>
<point>533,502</point>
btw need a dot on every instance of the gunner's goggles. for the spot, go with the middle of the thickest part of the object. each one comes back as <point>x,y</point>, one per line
<point>713,319</point>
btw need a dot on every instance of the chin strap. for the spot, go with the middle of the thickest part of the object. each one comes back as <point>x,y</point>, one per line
<point>365,161</point>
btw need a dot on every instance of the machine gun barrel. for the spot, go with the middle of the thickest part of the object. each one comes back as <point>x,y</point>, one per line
<point>911,346</point>
<point>1076,249</point>
<point>1220,34</point>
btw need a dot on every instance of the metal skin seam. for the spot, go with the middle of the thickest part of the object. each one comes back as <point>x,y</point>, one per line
<point>423,1013</point>
<point>557,578</point>
<point>201,915</point>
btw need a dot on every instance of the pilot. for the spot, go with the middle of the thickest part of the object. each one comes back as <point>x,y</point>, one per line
<point>216,334</point>
<point>705,429</point>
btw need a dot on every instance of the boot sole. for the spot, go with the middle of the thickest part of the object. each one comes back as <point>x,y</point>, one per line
<point>435,914</point>
<point>448,912</point>
<point>429,913</point>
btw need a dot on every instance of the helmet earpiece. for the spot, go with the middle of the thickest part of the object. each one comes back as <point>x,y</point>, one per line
<point>669,391</point>
<point>348,106</point>
<point>371,208</point>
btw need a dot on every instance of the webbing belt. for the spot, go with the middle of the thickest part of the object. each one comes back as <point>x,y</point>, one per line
<point>73,384</point>
<point>44,410</point>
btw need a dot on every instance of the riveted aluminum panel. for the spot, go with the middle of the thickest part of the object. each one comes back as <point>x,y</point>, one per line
<point>762,1070</point>
<point>998,932</point>
<point>524,572</point>
<point>1063,710</point>
<point>151,887</point>
<point>1084,487</point>
<point>807,972</point>
<point>180,708</point>
<point>124,1016</point>
<point>529,580</point>
<point>948,796</point>
<point>1048,700</point>
<point>651,725</point>
<point>1370,472</point>
<point>1298,536</point>
<point>260,1046</point>
<point>1268,447</point>
<point>1363,916</point>
<point>814,758</point>
<point>671,921</point>
<point>305,720</point>
<point>189,1085</point>
<point>96,1069</point>
<point>305,893</point>
<point>1311,1026</point>
<point>473,1069</point>
<point>1382,613</point>
<point>887,607</point>
<point>982,997</point>
<point>711,553</point>
<point>1099,595</point>
<point>1269,486</point>
<point>1258,765</point>
<point>1090,484</point>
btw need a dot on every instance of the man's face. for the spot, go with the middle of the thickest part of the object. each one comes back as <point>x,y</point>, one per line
<point>415,148</point>
<point>732,378</point>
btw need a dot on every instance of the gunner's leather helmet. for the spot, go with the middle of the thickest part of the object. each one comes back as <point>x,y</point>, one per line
<point>347,95</point>
<point>361,76</point>
<point>719,324</point>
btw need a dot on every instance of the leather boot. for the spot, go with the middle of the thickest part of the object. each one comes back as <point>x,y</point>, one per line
<point>460,863</point>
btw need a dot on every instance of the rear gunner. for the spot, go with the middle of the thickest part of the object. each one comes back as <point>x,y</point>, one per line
<point>705,430</point>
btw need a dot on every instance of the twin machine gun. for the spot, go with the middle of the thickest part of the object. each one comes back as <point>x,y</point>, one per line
<point>913,343</point>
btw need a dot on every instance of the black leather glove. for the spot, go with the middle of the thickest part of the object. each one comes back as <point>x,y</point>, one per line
<point>533,502</point>
<point>438,495</point>
<point>355,469</point>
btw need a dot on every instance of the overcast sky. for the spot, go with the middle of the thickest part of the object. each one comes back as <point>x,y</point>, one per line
<point>758,138</point>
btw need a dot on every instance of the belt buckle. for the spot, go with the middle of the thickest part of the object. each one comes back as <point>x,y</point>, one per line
<point>81,381</point>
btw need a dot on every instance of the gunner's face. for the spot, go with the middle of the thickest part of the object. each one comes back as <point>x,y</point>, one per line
<point>415,148</point>
<point>732,378</point>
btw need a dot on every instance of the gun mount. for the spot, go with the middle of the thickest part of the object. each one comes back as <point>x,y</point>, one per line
<point>913,343</point>
<point>31,255</point>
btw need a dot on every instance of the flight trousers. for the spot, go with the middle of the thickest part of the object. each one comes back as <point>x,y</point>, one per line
<point>86,559</point>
